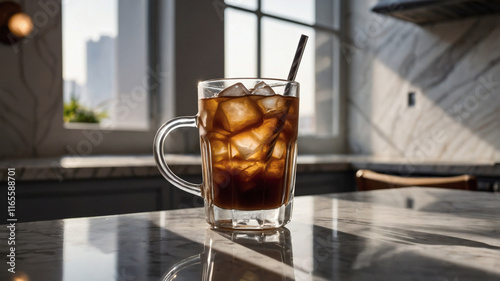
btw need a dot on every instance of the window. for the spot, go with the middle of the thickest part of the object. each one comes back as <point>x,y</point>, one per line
<point>162,67</point>
<point>261,38</point>
<point>111,66</point>
<point>105,51</point>
<point>175,44</point>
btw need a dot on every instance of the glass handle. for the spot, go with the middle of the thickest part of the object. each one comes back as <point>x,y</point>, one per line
<point>159,153</point>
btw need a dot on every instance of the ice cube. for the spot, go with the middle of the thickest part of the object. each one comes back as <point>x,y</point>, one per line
<point>262,89</point>
<point>279,149</point>
<point>208,107</point>
<point>288,128</point>
<point>236,90</point>
<point>272,105</point>
<point>216,136</point>
<point>246,146</point>
<point>251,171</point>
<point>235,154</point>
<point>219,150</point>
<point>255,98</point>
<point>275,168</point>
<point>265,131</point>
<point>237,166</point>
<point>248,175</point>
<point>237,114</point>
<point>221,177</point>
<point>250,144</point>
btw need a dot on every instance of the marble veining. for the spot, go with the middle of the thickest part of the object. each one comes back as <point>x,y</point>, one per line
<point>452,67</point>
<point>398,234</point>
<point>30,97</point>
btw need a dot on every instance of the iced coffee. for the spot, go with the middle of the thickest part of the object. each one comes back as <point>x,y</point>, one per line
<point>248,141</point>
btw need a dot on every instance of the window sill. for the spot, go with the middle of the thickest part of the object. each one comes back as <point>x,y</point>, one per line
<point>109,166</point>
<point>103,127</point>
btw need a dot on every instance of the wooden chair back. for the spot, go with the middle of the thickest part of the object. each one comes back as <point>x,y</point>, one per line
<point>370,180</point>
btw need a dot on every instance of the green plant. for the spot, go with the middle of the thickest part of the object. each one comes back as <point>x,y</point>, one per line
<point>75,112</point>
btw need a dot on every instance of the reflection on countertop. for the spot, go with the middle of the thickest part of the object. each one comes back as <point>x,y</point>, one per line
<point>375,235</point>
<point>242,255</point>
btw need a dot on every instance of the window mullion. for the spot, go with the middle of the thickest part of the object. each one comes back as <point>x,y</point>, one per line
<point>153,59</point>
<point>261,14</point>
<point>259,39</point>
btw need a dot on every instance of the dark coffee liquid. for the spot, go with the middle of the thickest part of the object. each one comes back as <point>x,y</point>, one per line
<point>247,171</point>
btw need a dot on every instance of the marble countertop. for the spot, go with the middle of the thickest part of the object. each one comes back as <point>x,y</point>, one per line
<point>107,166</point>
<point>398,234</point>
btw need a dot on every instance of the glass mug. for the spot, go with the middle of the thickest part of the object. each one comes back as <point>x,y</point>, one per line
<point>248,137</point>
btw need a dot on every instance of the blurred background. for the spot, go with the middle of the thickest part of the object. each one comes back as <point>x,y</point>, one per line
<point>84,85</point>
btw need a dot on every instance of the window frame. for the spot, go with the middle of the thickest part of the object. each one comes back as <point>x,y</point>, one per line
<point>165,29</point>
<point>314,144</point>
<point>170,54</point>
<point>82,139</point>
<point>170,51</point>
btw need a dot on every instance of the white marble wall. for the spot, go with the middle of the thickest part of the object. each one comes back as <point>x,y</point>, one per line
<point>454,70</point>
<point>31,85</point>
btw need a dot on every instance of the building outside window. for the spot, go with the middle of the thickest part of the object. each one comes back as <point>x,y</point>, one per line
<point>105,61</point>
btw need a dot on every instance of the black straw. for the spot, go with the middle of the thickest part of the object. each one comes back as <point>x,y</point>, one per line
<point>298,57</point>
<point>291,77</point>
